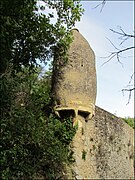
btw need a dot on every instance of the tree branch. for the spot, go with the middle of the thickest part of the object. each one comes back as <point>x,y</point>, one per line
<point>131,78</point>
<point>124,36</point>
<point>130,91</point>
<point>123,33</point>
<point>102,4</point>
<point>117,54</point>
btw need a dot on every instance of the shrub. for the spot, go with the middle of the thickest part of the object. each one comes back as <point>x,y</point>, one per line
<point>33,141</point>
<point>130,121</point>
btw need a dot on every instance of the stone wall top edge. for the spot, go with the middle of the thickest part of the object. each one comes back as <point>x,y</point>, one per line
<point>97,109</point>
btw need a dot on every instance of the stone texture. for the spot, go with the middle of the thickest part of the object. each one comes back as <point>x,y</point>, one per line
<point>103,146</point>
<point>74,83</point>
<point>108,145</point>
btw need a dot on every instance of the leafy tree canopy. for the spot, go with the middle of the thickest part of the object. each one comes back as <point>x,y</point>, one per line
<point>28,33</point>
<point>34,142</point>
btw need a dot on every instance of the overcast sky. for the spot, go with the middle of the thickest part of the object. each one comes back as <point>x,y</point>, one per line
<point>112,77</point>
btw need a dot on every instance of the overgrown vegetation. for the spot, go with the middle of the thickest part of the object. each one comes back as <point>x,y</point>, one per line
<point>130,121</point>
<point>34,143</point>
<point>30,32</point>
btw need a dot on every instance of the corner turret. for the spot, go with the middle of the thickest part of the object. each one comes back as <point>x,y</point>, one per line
<point>74,84</point>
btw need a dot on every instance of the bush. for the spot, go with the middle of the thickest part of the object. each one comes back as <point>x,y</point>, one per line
<point>130,121</point>
<point>33,141</point>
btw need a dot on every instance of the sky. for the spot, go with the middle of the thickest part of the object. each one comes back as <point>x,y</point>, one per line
<point>112,77</point>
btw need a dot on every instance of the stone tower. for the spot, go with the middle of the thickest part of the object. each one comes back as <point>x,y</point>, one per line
<point>104,146</point>
<point>74,83</point>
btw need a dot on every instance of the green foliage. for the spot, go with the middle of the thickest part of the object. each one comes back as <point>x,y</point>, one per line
<point>34,142</point>
<point>27,35</point>
<point>130,121</point>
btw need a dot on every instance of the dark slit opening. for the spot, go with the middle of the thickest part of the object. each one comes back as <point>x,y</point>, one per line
<point>66,113</point>
<point>83,114</point>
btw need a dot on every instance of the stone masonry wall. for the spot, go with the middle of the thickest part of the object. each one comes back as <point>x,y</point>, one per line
<point>103,148</point>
